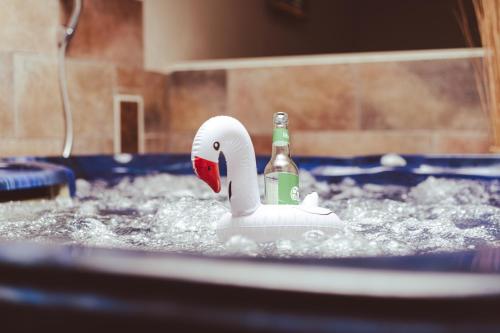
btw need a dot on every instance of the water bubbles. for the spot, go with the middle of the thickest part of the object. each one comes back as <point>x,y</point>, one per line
<point>449,191</point>
<point>315,236</point>
<point>240,245</point>
<point>179,213</point>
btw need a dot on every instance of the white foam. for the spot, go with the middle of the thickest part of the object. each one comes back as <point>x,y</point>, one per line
<point>178,213</point>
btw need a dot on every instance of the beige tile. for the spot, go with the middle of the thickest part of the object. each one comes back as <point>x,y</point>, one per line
<point>130,79</point>
<point>109,30</point>
<point>262,144</point>
<point>393,98</point>
<point>92,145</point>
<point>6,100</point>
<point>30,147</point>
<point>39,107</point>
<point>29,25</point>
<point>350,143</point>
<point>157,143</point>
<point>90,87</point>
<point>495,129</point>
<point>156,110</point>
<point>179,142</point>
<point>453,82</point>
<point>153,88</point>
<point>420,95</point>
<point>194,97</point>
<point>36,97</point>
<point>462,142</point>
<point>329,143</point>
<point>315,97</point>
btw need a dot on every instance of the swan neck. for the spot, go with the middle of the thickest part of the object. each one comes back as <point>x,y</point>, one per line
<point>241,173</point>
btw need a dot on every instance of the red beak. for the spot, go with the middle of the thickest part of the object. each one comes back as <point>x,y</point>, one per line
<point>207,171</point>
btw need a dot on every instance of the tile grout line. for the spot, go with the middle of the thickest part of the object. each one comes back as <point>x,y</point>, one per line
<point>358,95</point>
<point>227,83</point>
<point>170,129</point>
<point>14,95</point>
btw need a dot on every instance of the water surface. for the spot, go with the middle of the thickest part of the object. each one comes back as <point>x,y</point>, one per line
<point>179,213</point>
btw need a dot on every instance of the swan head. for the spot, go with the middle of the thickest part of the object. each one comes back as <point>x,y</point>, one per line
<point>207,146</point>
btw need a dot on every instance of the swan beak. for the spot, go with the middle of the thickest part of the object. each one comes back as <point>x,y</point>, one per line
<point>207,171</point>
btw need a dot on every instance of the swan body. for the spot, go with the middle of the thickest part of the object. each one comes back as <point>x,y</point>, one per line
<point>273,222</point>
<point>249,217</point>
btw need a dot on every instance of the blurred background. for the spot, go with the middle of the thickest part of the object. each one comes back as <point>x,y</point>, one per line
<point>356,76</point>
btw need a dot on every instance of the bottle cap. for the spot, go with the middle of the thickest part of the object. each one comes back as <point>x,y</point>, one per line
<point>280,118</point>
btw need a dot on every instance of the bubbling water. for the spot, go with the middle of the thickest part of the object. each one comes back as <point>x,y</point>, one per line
<point>179,213</point>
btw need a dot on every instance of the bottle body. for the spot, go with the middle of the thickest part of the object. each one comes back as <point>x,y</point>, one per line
<point>281,175</point>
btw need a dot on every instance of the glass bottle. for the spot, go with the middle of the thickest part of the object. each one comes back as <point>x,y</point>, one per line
<point>281,175</point>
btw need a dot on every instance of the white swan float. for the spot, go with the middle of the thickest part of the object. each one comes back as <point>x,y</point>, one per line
<point>249,217</point>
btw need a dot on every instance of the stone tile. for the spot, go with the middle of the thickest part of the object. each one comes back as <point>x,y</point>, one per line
<point>39,107</point>
<point>30,147</point>
<point>262,144</point>
<point>453,81</point>
<point>179,142</point>
<point>462,142</point>
<point>194,97</point>
<point>90,87</point>
<point>92,145</point>
<point>29,25</point>
<point>496,134</point>
<point>6,101</point>
<point>153,88</point>
<point>420,95</point>
<point>109,30</point>
<point>329,143</point>
<point>130,79</point>
<point>315,97</point>
<point>156,111</point>
<point>157,143</point>
<point>350,143</point>
<point>36,97</point>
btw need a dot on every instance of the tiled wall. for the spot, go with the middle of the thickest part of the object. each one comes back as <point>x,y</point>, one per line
<point>424,106</point>
<point>105,58</point>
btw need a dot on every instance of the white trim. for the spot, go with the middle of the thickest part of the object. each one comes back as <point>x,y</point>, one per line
<point>301,278</point>
<point>327,59</point>
<point>117,99</point>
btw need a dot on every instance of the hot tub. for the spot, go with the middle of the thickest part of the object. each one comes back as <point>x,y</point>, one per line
<point>77,288</point>
<point>28,179</point>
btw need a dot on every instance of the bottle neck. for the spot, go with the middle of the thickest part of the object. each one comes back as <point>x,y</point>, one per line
<point>281,141</point>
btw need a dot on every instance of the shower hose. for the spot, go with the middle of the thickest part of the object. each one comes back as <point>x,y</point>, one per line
<point>67,34</point>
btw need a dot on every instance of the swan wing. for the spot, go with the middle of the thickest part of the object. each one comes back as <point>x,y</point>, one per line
<point>311,200</point>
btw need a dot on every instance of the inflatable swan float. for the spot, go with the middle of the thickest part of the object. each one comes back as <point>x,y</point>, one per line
<point>248,216</point>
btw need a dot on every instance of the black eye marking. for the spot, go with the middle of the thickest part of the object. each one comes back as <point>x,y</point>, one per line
<point>230,192</point>
<point>216,145</point>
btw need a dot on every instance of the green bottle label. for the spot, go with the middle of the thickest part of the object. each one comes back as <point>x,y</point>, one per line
<point>282,188</point>
<point>280,136</point>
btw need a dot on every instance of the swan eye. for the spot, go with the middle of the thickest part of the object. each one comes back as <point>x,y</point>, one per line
<point>216,145</point>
